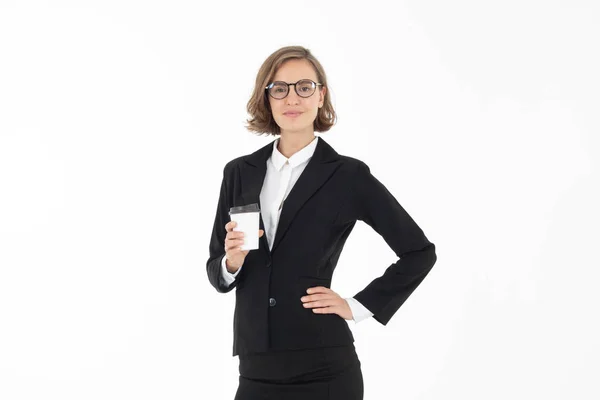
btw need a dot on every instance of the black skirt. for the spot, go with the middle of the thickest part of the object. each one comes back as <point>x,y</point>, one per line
<point>328,373</point>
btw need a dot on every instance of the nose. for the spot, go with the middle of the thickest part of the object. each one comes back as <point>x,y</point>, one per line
<point>292,97</point>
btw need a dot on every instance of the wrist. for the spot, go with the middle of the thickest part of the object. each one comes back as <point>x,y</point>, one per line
<point>230,269</point>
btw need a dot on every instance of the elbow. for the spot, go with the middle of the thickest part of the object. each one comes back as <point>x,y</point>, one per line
<point>423,258</point>
<point>431,255</point>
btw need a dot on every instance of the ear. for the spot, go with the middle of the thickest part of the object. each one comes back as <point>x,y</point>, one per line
<point>322,96</point>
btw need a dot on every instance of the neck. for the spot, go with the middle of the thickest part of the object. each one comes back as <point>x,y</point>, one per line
<point>290,144</point>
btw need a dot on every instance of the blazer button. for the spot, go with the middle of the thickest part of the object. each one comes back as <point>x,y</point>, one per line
<point>268,264</point>
<point>272,302</point>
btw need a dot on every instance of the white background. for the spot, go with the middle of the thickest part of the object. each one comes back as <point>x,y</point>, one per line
<point>117,117</point>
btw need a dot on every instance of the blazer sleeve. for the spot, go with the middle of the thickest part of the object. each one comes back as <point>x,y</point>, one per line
<point>416,254</point>
<point>217,240</point>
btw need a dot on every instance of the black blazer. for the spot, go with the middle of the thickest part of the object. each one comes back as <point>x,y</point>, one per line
<point>331,194</point>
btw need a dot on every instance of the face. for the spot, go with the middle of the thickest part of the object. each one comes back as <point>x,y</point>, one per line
<point>301,124</point>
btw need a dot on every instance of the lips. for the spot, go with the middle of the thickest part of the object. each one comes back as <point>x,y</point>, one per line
<point>292,113</point>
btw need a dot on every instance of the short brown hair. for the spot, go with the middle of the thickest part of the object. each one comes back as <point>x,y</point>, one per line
<point>261,118</point>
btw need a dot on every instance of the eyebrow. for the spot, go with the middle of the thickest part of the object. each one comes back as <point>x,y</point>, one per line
<point>301,79</point>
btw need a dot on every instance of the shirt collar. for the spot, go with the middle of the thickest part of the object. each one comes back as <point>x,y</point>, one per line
<point>297,158</point>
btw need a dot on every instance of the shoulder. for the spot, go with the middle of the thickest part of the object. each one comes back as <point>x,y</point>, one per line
<point>358,172</point>
<point>232,165</point>
<point>255,158</point>
<point>355,165</point>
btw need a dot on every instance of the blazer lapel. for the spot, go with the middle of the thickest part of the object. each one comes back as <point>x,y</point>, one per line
<point>252,173</point>
<point>320,167</point>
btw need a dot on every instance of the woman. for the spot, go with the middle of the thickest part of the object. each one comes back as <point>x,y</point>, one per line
<point>290,329</point>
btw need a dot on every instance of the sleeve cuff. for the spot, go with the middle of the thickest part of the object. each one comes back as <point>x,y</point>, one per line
<point>359,312</point>
<point>228,277</point>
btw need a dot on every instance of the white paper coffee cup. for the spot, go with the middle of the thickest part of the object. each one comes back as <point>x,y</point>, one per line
<point>247,221</point>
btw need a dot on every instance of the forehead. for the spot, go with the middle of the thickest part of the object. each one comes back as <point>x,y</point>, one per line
<point>293,70</point>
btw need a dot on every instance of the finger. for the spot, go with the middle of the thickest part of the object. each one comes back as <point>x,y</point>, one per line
<point>260,232</point>
<point>315,297</point>
<point>233,243</point>
<point>235,235</point>
<point>318,289</point>
<point>322,303</point>
<point>233,253</point>
<point>326,310</point>
<point>230,225</point>
<point>230,247</point>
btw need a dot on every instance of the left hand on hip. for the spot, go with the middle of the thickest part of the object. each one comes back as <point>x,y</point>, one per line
<point>325,301</point>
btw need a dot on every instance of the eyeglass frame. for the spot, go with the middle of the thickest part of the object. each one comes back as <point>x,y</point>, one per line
<point>270,85</point>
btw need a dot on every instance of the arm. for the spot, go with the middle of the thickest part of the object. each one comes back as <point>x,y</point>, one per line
<point>217,241</point>
<point>416,254</point>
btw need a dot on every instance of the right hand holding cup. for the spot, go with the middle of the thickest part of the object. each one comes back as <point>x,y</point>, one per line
<point>234,255</point>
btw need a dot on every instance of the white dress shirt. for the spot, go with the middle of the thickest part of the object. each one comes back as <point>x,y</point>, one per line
<point>282,174</point>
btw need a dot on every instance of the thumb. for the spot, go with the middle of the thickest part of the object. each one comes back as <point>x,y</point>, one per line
<point>260,232</point>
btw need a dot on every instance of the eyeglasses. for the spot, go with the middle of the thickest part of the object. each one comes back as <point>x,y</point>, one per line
<point>304,88</point>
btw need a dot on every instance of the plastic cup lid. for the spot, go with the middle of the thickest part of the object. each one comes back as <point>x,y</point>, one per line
<point>244,209</point>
